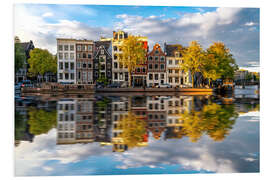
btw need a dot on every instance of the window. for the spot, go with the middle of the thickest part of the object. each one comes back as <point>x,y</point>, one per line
<point>170,103</point>
<point>78,65</point>
<point>66,55</point>
<point>84,76</point>
<point>150,58</point>
<point>89,76</point>
<point>156,106</point>
<point>156,66</point>
<point>71,47</point>
<point>162,58</point>
<point>138,70</point>
<point>176,62</point>
<point>121,36</point>
<point>61,65</point>
<point>176,103</point>
<point>84,55</point>
<point>78,47</point>
<point>102,67</point>
<point>170,71</point>
<point>177,80</point>
<point>96,65</point>
<point>150,66</point>
<point>115,65</point>
<point>66,47</point>
<point>156,52</point>
<point>156,58</point>
<point>60,47</point>
<point>170,61</point>
<point>72,66</point>
<point>66,65</point>
<point>150,76</point>
<point>66,75</point>
<point>176,71</point>
<point>72,76</point>
<point>115,48</point>
<point>170,79</point>
<point>78,55</point>
<point>71,55</point>
<point>162,66</point>
<point>60,76</point>
<point>89,65</point>
<point>177,54</point>
<point>121,76</point>
<point>150,106</point>
<point>115,76</point>
<point>156,76</point>
<point>79,75</point>
<point>143,70</point>
<point>102,51</point>
<point>89,56</point>
<point>83,48</point>
<point>60,55</point>
<point>89,48</point>
<point>84,65</point>
<point>161,76</point>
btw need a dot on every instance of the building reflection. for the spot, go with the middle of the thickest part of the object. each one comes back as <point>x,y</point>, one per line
<point>126,122</point>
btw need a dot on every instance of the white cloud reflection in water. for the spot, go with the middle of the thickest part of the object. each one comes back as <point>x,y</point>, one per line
<point>239,152</point>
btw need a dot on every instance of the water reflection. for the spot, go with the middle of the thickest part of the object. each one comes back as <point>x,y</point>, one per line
<point>138,123</point>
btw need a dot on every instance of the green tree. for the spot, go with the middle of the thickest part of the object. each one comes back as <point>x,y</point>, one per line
<point>219,62</point>
<point>133,54</point>
<point>41,61</point>
<point>20,56</point>
<point>41,121</point>
<point>133,128</point>
<point>193,57</point>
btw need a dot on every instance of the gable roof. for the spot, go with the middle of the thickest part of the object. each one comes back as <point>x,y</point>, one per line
<point>107,45</point>
<point>170,49</point>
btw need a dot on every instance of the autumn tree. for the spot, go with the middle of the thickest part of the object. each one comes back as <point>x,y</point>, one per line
<point>41,121</point>
<point>41,61</point>
<point>133,54</point>
<point>20,56</point>
<point>133,130</point>
<point>219,62</point>
<point>193,57</point>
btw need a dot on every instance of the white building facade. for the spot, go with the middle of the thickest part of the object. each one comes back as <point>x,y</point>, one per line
<point>66,61</point>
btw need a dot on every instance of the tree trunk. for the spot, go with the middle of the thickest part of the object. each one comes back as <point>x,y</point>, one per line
<point>129,78</point>
<point>192,77</point>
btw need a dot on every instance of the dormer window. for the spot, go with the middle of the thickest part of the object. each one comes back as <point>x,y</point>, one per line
<point>156,51</point>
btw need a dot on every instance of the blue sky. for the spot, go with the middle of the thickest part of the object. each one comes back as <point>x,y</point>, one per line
<point>238,28</point>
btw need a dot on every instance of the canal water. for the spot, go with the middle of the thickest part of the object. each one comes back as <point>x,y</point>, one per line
<point>110,134</point>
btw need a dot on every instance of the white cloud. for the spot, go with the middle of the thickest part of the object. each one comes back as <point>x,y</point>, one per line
<point>250,24</point>
<point>47,14</point>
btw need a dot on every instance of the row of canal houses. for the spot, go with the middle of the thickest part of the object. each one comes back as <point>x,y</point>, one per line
<point>86,120</point>
<point>84,61</point>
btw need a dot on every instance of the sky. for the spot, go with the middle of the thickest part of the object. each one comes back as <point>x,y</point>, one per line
<point>238,28</point>
<point>239,152</point>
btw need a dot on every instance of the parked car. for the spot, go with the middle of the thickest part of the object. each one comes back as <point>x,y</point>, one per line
<point>24,83</point>
<point>164,86</point>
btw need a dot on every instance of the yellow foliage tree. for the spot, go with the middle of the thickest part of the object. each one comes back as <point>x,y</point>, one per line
<point>193,57</point>
<point>133,54</point>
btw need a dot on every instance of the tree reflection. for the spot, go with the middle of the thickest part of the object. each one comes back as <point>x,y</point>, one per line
<point>214,120</point>
<point>41,121</point>
<point>133,130</point>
